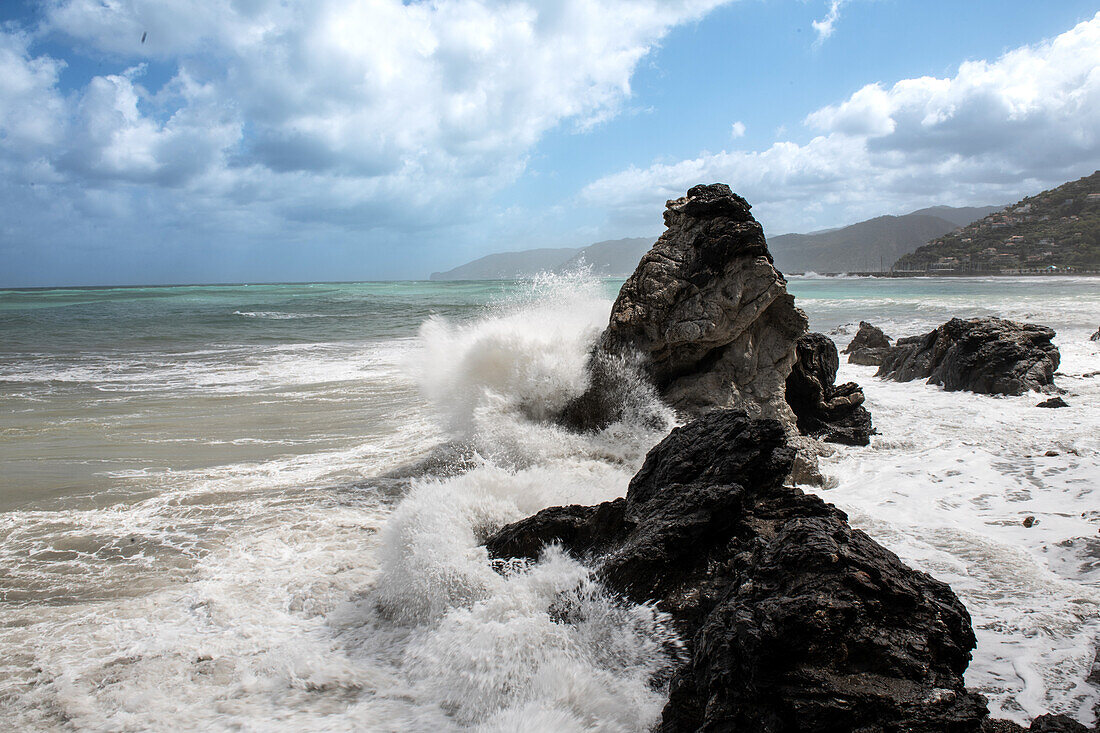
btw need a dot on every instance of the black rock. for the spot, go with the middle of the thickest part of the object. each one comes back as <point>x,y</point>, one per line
<point>1095,336</point>
<point>1042,724</point>
<point>868,337</point>
<point>833,413</point>
<point>869,346</point>
<point>792,620</point>
<point>987,355</point>
<point>1053,402</point>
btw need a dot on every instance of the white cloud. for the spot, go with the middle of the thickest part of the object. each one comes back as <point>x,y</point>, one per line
<point>737,130</point>
<point>31,109</point>
<point>991,132</point>
<point>389,114</point>
<point>825,27</point>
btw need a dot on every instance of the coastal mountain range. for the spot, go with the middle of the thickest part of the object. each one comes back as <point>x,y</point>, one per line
<point>1056,230</point>
<point>865,246</point>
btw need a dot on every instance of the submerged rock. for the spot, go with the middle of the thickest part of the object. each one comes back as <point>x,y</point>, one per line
<point>987,355</point>
<point>705,316</point>
<point>792,620</point>
<point>869,346</point>
<point>831,413</point>
<point>1053,402</point>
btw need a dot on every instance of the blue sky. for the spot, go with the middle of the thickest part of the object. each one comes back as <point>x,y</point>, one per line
<point>260,140</point>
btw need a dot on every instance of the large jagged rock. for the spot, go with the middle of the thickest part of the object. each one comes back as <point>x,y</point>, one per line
<point>792,620</point>
<point>706,313</point>
<point>987,355</point>
<point>833,413</point>
<point>869,346</point>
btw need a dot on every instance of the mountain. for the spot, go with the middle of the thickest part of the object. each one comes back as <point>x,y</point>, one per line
<point>1054,230</point>
<point>508,265</point>
<point>960,216</point>
<point>611,257</point>
<point>868,245</point>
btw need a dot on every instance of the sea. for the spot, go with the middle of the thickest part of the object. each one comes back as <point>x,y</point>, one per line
<point>260,507</point>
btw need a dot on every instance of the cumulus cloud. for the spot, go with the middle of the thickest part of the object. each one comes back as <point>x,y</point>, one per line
<point>278,116</point>
<point>737,129</point>
<point>994,130</point>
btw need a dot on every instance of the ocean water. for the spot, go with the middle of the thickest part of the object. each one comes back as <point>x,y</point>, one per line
<point>260,507</point>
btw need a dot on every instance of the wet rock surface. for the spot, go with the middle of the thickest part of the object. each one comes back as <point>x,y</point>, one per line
<point>792,620</point>
<point>1042,724</point>
<point>824,410</point>
<point>986,355</point>
<point>869,346</point>
<point>1053,402</point>
<point>706,315</point>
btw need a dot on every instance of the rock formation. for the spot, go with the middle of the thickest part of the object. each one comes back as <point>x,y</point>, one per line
<point>1053,403</point>
<point>792,620</point>
<point>707,312</point>
<point>869,346</point>
<point>831,413</point>
<point>1042,724</point>
<point>706,319</point>
<point>987,355</point>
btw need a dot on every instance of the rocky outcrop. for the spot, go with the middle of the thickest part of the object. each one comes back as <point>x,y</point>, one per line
<point>705,316</point>
<point>869,345</point>
<point>792,620</point>
<point>987,355</point>
<point>1053,403</point>
<point>833,413</point>
<point>1042,724</point>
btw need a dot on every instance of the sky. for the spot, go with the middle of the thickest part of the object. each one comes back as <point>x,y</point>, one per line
<point>173,141</point>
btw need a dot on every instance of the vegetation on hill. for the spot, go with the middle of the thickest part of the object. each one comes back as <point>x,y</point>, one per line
<point>1054,231</point>
<point>862,247</point>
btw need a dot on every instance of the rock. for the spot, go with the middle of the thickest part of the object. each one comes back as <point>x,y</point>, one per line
<point>831,413</point>
<point>791,619</point>
<point>986,355</point>
<point>1029,521</point>
<point>868,357</point>
<point>868,337</point>
<point>1095,336</point>
<point>1053,402</point>
<point>1042,724</point>
<point>869,346</point>
<point>707,314</point>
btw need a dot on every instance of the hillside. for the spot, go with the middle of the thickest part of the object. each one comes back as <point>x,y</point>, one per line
<point>508,265</point>
<point>868,245</point>
<point>1056,230</point>
<point>611,257</point>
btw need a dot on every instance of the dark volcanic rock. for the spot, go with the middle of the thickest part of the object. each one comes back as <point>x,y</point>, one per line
<point>793,621</point>
<point>988,355</point>
<point>707,313</point>
<point>833,413</point>
<point>868,337</point>
<point>1042,724</point>
<point>869,346</point>
<point>1053,402</point>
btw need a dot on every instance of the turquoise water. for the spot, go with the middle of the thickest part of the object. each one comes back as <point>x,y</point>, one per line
<point>208,492</point>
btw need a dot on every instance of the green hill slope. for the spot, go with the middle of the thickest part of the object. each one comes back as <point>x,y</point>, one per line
<point>1054,231</point>
<point>867,245</point>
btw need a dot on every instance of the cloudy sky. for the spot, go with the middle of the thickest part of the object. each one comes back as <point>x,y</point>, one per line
<point>159,141</point>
